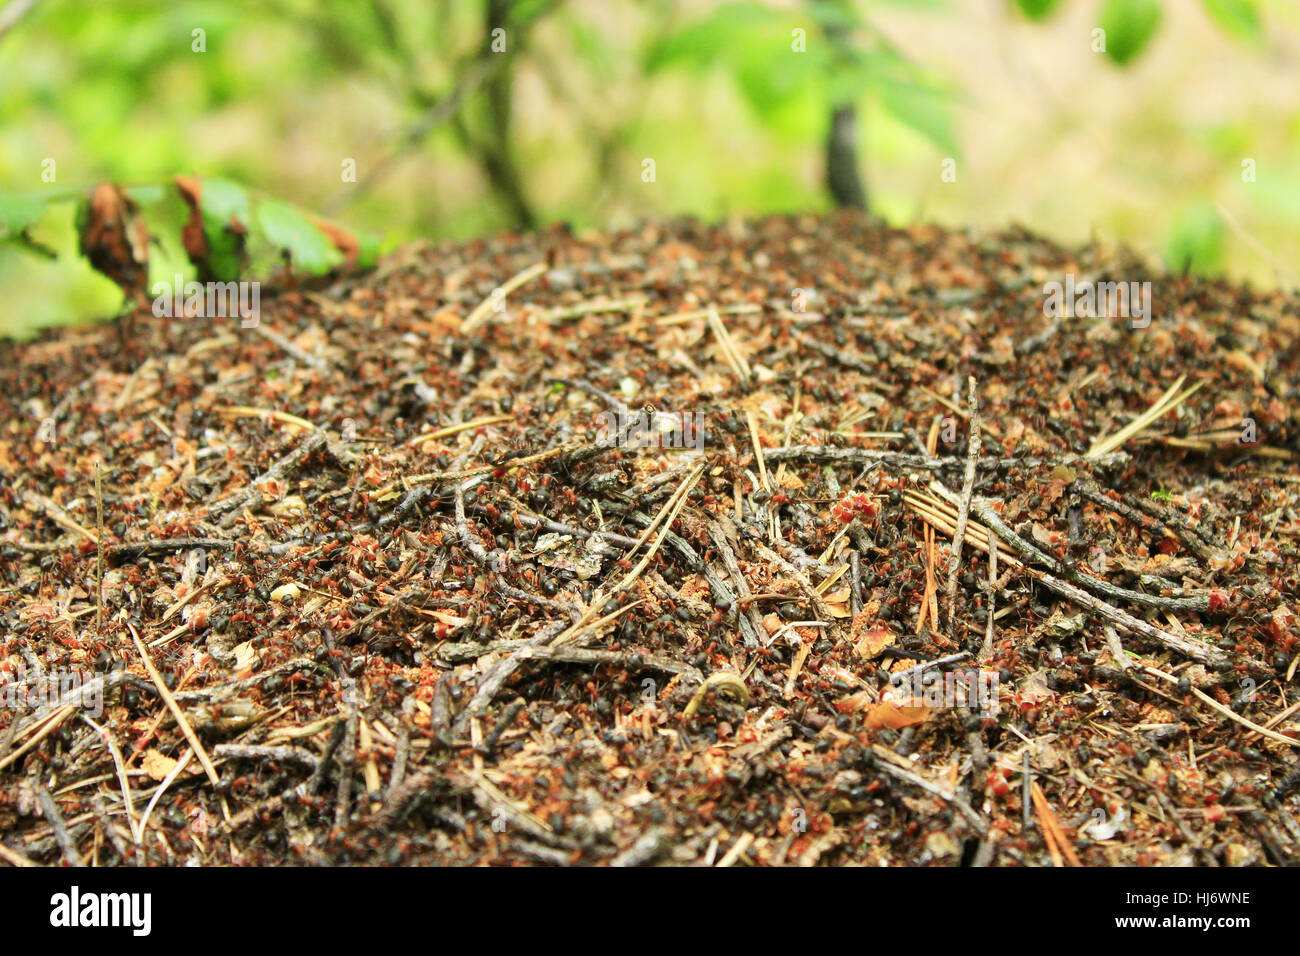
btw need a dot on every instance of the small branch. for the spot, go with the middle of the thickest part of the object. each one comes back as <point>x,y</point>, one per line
<point>468,539</point>
<point>109,829</point>
<point>132,551</point>
<point>332,744</point>
<point>347,754</point>
<point>99,552</point>
<point>867,456</point>
<point>500,727</point>
<point>1026,787</point>
<point>490,798</point>
<point>57,514</point>
<point>250,497</point>
<point>401,755</point>
<point>1032,555</point>
<point>719,588</point>
<point>532,521</point>
<point>1200,652</point>
<point>55,819</point>
<point>899,677</point>
<point>963,509</point>
<point>495,679</point>
<point>855,581</point>
<point>1197,651</point>
<point>315,361</point>
<point>520,595</point>
<point>1189,536</point>
<point>800,578</point>
<point>987,649</point>
<point>885,763</point>
<point>284,754</point>
<point>729,562</point>
<point>128,803</point>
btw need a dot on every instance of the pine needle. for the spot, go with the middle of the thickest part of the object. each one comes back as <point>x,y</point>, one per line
<point>1165,404</point>
<point>450,430</point>
<point>484,308</point>
<point>248,411</point>
<point>729,350</point>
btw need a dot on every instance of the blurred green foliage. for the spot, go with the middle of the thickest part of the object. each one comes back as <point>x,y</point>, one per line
<point>1196,243</point>
<point>1129,26</point>
<point>455,130</point>
<point>1238,17</point>
<point>744,40</point>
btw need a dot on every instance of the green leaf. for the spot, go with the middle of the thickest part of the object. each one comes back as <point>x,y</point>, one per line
<point>1195,243</point>
<point>1037,9</point>
<point>773,78</point>
<point>1129,26</point>
<point>906,92</point>
<point>143,195</point>
<point>927,110</point>
<point>713,40</point>
<point>926,6</point>
<point>223,202</point>
<point>368,249</point>
<point>17,212</point>
<point>223,205</point>
<point>852,75</point>
<point>1238,17</point>
<point>755,45</point>
<point>164,214</point>
<point>167,258</point>
<point>832,15</point>
<point>289,230</point>
<point>226,256</point>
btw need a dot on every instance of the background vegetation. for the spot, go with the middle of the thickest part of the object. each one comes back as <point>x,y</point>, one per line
<point>742,106</point>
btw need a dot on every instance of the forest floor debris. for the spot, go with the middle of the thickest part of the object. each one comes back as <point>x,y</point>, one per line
<point>637,549</point>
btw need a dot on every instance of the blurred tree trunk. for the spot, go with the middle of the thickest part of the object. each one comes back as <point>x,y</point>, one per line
<point>842,177</point>
<point>497,147</point>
